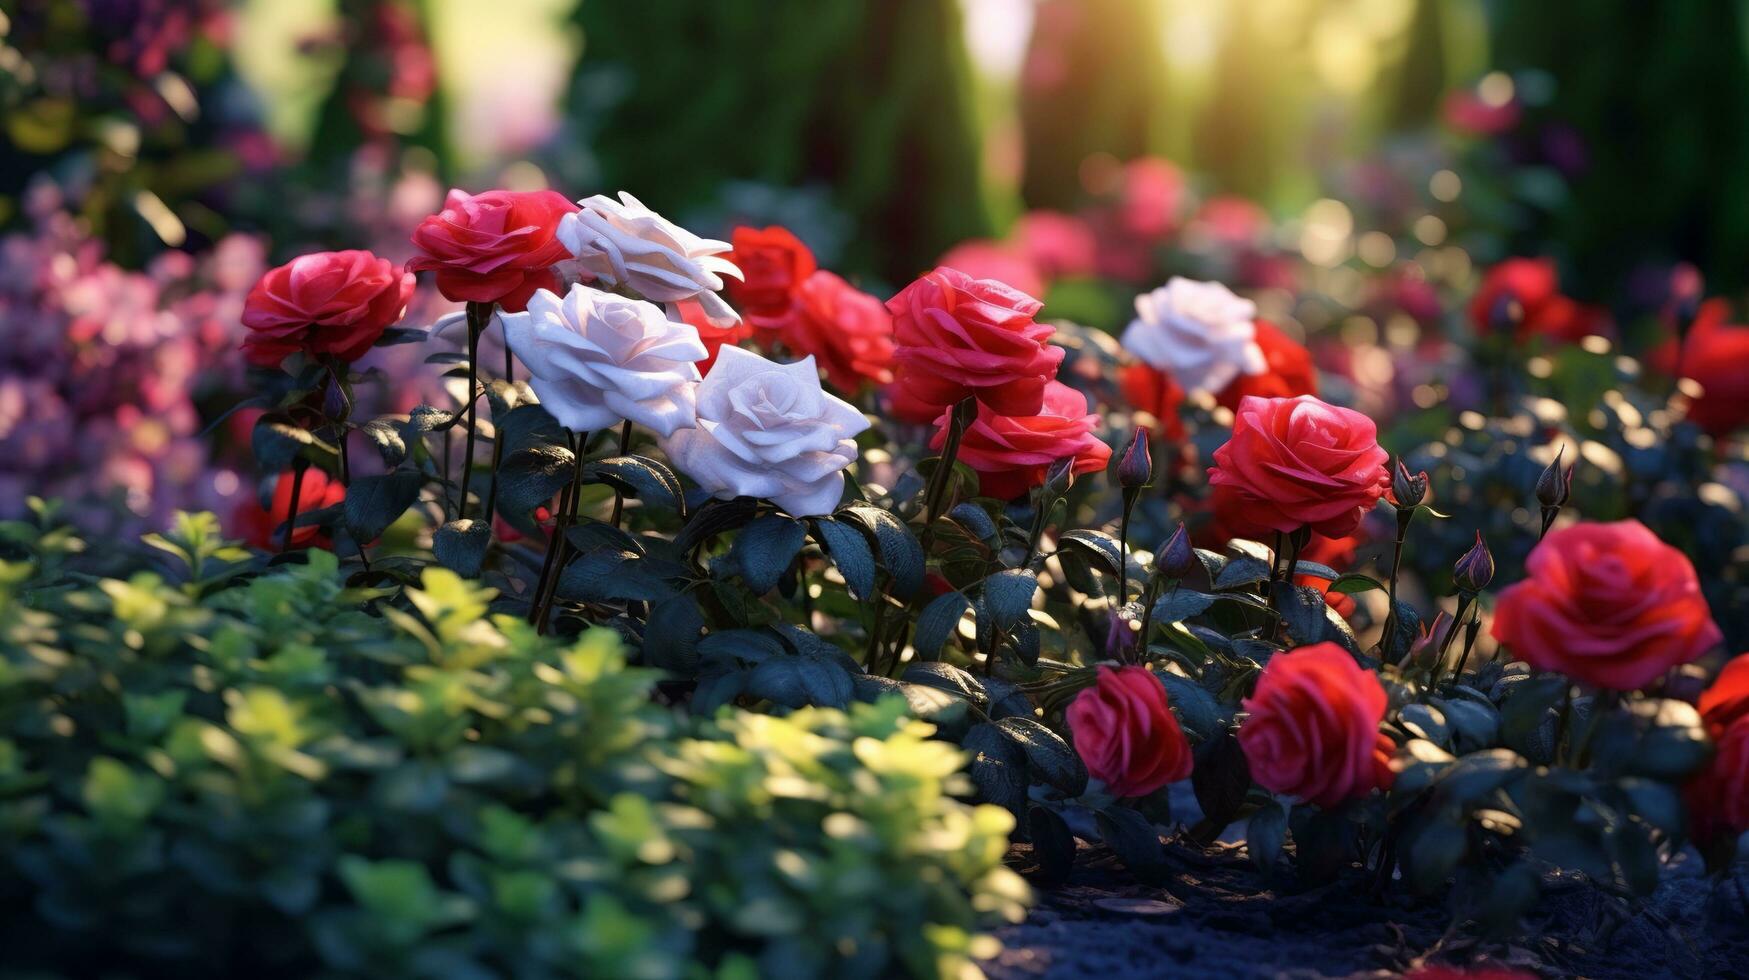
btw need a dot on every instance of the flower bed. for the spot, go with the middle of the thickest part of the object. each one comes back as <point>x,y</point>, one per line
<point>850,547</point>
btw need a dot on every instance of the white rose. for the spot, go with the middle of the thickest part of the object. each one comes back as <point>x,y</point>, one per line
<point>1198,332</point>
<point>623,243</point>
<point>595,358</point>
<point>768,430</point>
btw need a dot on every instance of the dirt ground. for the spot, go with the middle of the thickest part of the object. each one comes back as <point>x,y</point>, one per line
<point>1103,924</point>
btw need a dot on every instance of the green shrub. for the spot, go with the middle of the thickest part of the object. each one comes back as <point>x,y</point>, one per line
<point>222,772</point>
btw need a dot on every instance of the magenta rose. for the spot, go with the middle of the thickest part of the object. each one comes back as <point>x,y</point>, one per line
<point>1299,462</point>
<point>497,247</point>
<point>1313,731</point>
<point>957,337</point>
<point>1011,453</point>
<point>1125,732</point>
<point>324,304</point>
<point>1606,604</point>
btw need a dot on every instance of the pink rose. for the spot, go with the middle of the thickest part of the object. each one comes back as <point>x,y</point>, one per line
<point>324,303</point>
<point>1124,731</point>
<point>1313,731</point>
<point>958,337</point>
<point>497,247</point>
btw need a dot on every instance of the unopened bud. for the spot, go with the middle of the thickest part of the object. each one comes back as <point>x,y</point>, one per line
<point>1135,469</point>
<point>1554,486</point>
<point>1475,569</point>
<point>1406,489</point>
<point>1504,315</point>
<point>1176,559</point>
<point>1060,477</point>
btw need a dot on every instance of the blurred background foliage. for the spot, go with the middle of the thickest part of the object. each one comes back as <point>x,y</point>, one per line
<point>884,132</point>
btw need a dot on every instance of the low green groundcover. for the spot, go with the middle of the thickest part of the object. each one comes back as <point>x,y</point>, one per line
<point>207,772</point>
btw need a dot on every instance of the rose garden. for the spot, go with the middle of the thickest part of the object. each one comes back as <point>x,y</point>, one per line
<point>560,591</point>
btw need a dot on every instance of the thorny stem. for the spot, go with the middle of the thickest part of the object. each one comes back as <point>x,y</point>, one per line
<point>340,424</point>
<point>562,545</point>
<point>1403,519</point>
<point>291,518</point>
<point>625,445</point>
<point>478,315</point>
<point>939,480</point>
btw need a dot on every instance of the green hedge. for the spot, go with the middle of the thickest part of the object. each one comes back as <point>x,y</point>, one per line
<point>219,771</point>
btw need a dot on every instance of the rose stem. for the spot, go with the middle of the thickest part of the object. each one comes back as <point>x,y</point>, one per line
<point>478,315</point>
<point>340,424</point>
<point>938,481</point>
<point>446,474</point>
<point>291,519</point>
<point>625,445</point>
<point>1123,556</point>
<point>546,569</point>
<point>570,517</point>
<point>1403,519</point>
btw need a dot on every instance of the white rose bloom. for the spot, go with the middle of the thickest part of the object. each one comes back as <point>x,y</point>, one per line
<point>768,430</point>
<point>595,358</point>
<point>1198,332</point>
<point>623,243</point>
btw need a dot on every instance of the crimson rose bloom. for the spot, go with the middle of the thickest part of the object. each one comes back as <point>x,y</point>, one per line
<point>715,337</point>
<point>1717,355</point>
<point>775,264</point>
<point>336,303</point>
<point>497,247</point>
<point>1606,604</point>
<point>1299,462</point>
<point>1011,453</point>
<point>1535,285</point>
<point>957,337</point>
<point>1152,390</point>
<point>1718,798</point>
<point>1288,372</point>
<point>1126,734</point>
<point>848,331</point>
<point>260,526</point>
<point>1314,727</point>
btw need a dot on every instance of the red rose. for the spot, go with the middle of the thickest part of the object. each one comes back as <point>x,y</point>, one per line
<point>715,337</point>
<point>1606,604</point>
<point>1718,798</point>
<point>1149,389</point>
<point>849,331</point>
<point>260,527</point>
<point>1125,732</point>
<point>1314,727</point>
<point>1011,452</point>
<point>497,247</point>
<point>957,337</point>
<point>1717,355</point>
<point>1299,462</point>
<point>775,263</point>
<point>1534,285</point>
<point>1288,370</point>
<point>336,303</point>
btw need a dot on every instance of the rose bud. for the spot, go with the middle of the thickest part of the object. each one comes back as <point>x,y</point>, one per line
<point>1060,477</point>
<point>1136,469</point>
<point>1504,315</point>
<point>1408,490</point>
<point>1554,486</point>
<point>1475,569</point>
<point>1176,558</point>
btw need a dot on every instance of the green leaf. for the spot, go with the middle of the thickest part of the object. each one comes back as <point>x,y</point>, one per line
<point>1474,776</point>
<point>1135,842</point>
<point>671,636</point>
<point>526,427</point>
<point>1354,583</point>
<point>945,677</point>
<point>1316,570</point>
<point>715,517</point>
<point>937,622</point>
<point>1048,755</point>
<point>1099,547</point>
<point>530,478</point>
<point>1433,852</point>
<point>1220,779</point>
<point>1526,705</point>
<point>375,502</point>
<point>277,445</point>
<point>648,480</point>
<point>977,521</point>
<point>763,551</point>
<point>1053,846</point>
<point>1241,572</point>
<point>900,552</point>
<point>850,551</point>
<point>460,546</point>
<point>1181,604</point>
<point>997,767</point>
<point>801,680</point>
<point>1008,595</point>
<point>1197,711</point>
<point>385,435</point>
<point>609,574</point>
